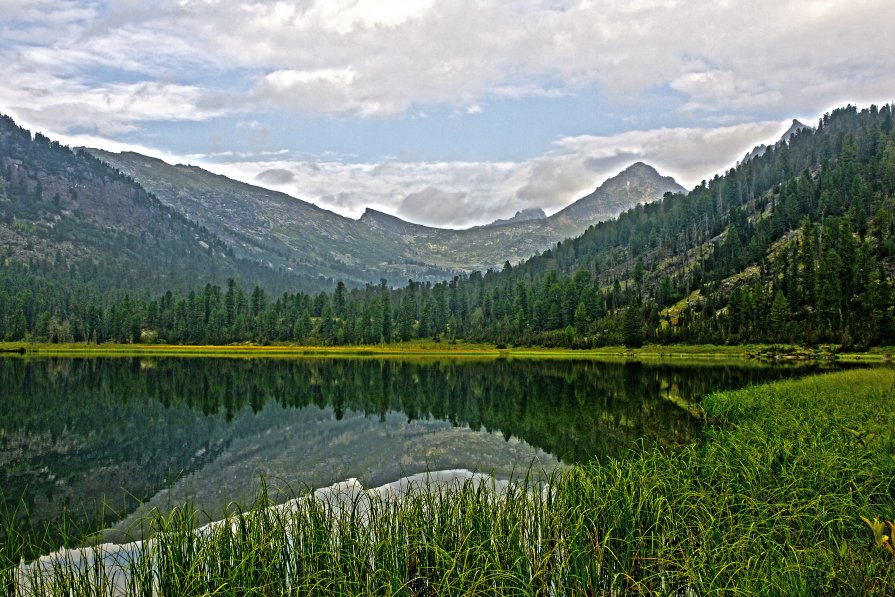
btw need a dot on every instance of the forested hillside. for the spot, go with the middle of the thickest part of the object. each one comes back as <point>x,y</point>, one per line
<point>795,245</point>
<point>68,220</point>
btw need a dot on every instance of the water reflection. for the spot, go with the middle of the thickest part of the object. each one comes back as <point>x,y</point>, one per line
<point>103,435</point>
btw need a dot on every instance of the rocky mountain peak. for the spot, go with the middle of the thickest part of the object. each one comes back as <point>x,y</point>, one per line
<point>523,215</point>
<point>760,150</point>
<point>643,175</point>
<point>636,184</point>
<point>794,128</point>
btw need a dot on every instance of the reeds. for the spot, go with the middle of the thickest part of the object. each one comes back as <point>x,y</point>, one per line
<point>769,503</point>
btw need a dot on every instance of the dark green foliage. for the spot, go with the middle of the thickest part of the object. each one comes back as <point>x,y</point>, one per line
<point>633,326</point>
<point>797,245</point>
<point>68,209</point>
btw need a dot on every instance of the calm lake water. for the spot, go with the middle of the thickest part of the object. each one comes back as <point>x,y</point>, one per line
<point>99,437</point>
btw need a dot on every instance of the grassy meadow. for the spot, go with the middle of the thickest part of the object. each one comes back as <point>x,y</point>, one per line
<point>770,502</point>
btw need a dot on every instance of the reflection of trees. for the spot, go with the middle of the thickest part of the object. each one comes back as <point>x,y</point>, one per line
<point>94,426</point>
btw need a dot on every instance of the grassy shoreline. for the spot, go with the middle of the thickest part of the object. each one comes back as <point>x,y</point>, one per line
<point>459,349</point>
<point>769,503</point>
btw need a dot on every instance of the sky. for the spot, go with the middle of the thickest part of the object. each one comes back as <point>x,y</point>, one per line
<point>450,113</point>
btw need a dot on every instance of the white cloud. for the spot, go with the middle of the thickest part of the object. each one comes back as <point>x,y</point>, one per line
<point>432,205</point>
<point>380,58</point>
<point>108,68</point>
<point>64,105</point>
<point>462,194</point>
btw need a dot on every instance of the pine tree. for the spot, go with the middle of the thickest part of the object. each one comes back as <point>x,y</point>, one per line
<point>779,317</point>
<point>632,328</point>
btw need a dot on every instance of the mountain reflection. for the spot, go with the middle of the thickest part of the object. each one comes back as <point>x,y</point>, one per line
<point>102,435</point>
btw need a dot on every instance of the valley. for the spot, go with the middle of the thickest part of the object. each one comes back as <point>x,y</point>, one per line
<point>442,299</point>
<point>235,322</point>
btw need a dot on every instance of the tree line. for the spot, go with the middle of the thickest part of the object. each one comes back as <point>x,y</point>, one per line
<point>796,245</point>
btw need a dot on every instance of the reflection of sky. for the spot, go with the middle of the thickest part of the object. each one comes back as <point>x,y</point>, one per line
<point>298,448</point>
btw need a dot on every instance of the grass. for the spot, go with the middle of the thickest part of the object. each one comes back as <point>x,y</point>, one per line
<point>428,348</point>
<point>769,503</point>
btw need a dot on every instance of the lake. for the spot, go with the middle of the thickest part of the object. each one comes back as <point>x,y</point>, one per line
<point>98,441</point>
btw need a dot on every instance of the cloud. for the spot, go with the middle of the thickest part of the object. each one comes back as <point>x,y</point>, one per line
<point>462,193</point>
<point>65,105</point>
<point>113,70</point>
<point>689,154</point>
<point>275,176</point>
<point>434,206</point>
<point>461,53</point>
<point>380,58</point>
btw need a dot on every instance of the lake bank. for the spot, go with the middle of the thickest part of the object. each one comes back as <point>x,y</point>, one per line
<point>459,350</point>
<point>769,502</point>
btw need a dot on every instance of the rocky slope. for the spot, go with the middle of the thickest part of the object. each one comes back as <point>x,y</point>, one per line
<point>638,183</point>
<point>275,228</point>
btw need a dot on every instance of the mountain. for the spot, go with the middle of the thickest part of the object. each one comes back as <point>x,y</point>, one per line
<point>523,215</point>
<point>528,233</point>
<point>794,128</point>
<point>276,228</point>
<point>756,151</point>
<point>637,184</point>
<point>478,248</point>
<point>285,231</point>
<point>134,222</point>
<point>796,245</point>
<point>75,215</point>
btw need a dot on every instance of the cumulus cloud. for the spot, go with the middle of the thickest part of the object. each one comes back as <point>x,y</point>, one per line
<point>62,105</point>
<point>380,58</point>
<point>462,52</point>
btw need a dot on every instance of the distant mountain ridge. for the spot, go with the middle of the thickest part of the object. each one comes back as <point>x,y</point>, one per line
<point>523,215</point>
<point>287,232</point>
<point>69,210</point>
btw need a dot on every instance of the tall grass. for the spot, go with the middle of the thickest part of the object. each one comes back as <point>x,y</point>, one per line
<point>769,503</point>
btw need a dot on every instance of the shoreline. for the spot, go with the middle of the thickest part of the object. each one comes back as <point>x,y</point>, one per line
<point>709,353</point>
<point>784,495</point>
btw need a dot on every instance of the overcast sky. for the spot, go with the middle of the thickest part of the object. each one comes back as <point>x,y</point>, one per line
<point>448,113</point>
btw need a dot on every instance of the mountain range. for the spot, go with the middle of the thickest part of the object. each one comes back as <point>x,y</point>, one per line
<point>136,222</point>
<point>285,232</point>
<point>794,245</point>
<point>96,225</point>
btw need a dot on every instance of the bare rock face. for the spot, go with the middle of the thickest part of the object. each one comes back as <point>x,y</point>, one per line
<point>795,127</point>
<point>523,215</point>
<point>638,183</point>
<point>288,232</point>
<point>759,150</point>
